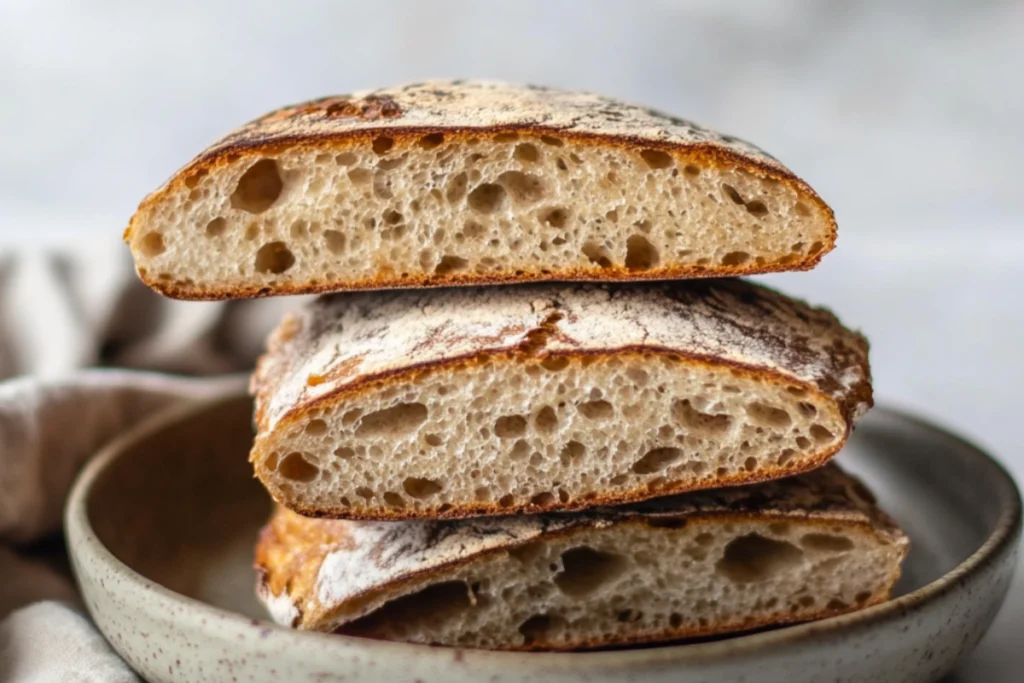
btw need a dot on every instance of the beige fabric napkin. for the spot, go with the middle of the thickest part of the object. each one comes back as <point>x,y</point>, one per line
<point>86,352</point>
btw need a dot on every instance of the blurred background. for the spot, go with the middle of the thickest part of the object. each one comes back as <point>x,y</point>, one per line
<point>905,116</point>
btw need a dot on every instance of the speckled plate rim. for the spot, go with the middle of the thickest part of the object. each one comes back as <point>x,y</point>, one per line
<point>1001,542</point>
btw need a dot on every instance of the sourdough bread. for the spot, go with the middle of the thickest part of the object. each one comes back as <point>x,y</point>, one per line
<point>471,401</point>
<point>698,564</point>
<point>460,182</point>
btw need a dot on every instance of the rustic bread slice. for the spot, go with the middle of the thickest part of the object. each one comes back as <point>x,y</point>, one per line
<point>470,182</point>
<point>459,402</point>
<point>698,564</point>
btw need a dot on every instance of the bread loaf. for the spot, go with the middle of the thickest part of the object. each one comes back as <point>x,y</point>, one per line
<point>459,182</point>
<point>471,401</point>
<point>698,564</point>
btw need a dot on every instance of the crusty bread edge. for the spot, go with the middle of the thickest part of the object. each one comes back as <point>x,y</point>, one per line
<point>878,524</point>
<point>844,406</point>
<point>706,153</point>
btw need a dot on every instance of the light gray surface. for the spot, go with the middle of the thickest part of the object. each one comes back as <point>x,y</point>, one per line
<point>904,115</point>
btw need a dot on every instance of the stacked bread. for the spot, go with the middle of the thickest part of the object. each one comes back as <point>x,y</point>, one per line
<point>593,439</point>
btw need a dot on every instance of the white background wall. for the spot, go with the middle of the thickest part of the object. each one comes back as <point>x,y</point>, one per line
<point>906,116</point>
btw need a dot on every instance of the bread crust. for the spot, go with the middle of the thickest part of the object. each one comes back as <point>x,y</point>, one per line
<point>832,366</point>
<point>462,110</point>
<point>402,558</point>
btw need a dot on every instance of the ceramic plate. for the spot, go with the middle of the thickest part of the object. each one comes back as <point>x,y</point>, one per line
<point>161,527</point>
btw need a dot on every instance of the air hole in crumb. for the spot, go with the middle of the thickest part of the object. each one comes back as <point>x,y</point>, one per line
<point>258,188</point>
<point>393,499</point>
<point>486,198</point>
<point>629,616</point>
<point>519,450</point>
<point>551,140</point>
<point>757,208</point>
<point>802,209</point>
<point>735,258</point>
<point>820,434</point>
<point>837,604</point>
<point>152,244</point>
<point>382,144</point>
<point>345,159</point>
<point>750,464</point>
<point>351,416</point>
<point>364,492</point>
<point>597,254</point>
<point>403,418</point>
<point>815,249</point>
<point>691,170</point>
<point>585,570</point>
<point>392,217</point>
<point>295,467</point>
<point>433,440</point>
<point>656,460</point>
<point>506,501</point>
<point>335,241</point>
<point>431,141</point>
<point>344,452</point>
<point>536,628</point>
<point>216,227</point>
<point>555,363</point>
<point>675,620</point>
<point>704,538</point>
<point>862,597</point>
<point>640,253</point>
<point>316,428</point>
<point>573,450</point>
<point>456,189</point>
<point>527,152</point>
<point>656,158</point>
<point>699,422</point>
<point>543,499</point>
<point>803,442</point>
<point>360,176</point>
<point>451,264</point>
<point>275,258</point>
<point>786,456</point>
<point>509,426</point>
<point>555,217</point>
<point>271,462</point>
<point>420,488</point>
<point>563,496</point>
<point>546,420</point>
<point>828,543</point>
<point>753,557</point>
<point>524,188</point>
<point>768,416</point>
<point>596,410</point>
<point>732,194</point>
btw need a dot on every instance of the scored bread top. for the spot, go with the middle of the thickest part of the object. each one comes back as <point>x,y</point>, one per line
<point>332,569</point>
<point>289,149</point>
<point>479,104</point>
<point>340,345</point>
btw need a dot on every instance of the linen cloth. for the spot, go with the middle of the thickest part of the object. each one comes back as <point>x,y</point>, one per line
<point>86,351</point>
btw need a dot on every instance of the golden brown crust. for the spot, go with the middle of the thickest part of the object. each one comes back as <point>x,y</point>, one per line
<point>333,124</point>
<point>177,290</point>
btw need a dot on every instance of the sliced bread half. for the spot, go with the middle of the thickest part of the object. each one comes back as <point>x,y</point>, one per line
<point>460,182</point>
<point>460,402</point>
<point>699,564</point>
